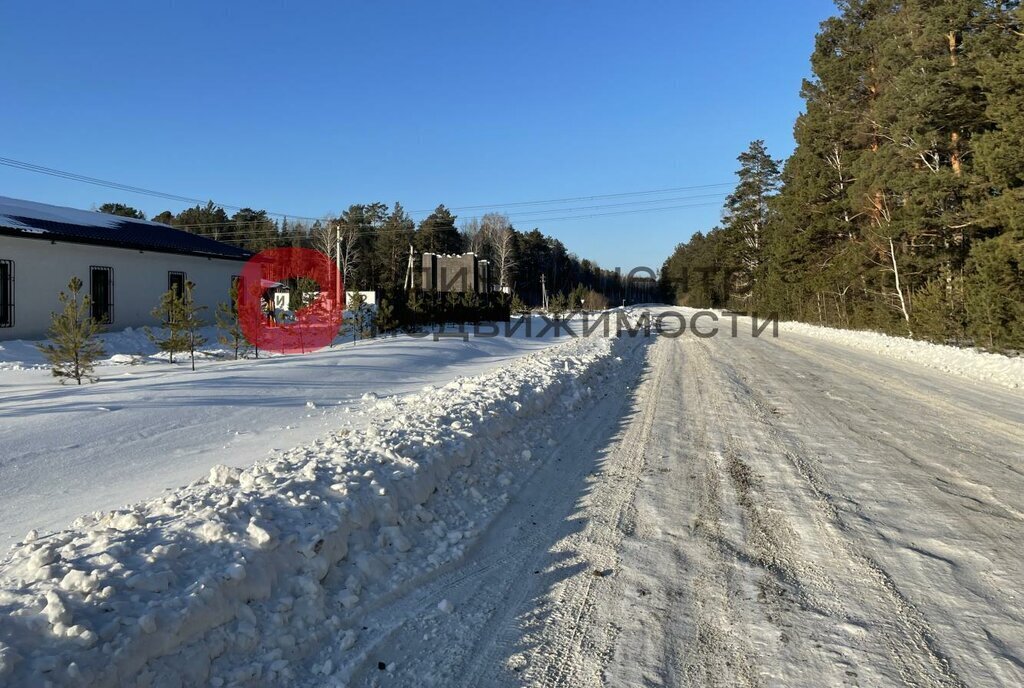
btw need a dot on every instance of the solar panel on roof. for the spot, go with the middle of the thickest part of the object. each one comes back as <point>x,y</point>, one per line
<point>39,220</point>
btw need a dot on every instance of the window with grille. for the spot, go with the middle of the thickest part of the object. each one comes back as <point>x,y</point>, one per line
<point>101,291</point>
<point>6,293</point>
<point>176,282</point>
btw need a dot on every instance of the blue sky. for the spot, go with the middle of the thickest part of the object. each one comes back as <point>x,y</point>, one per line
<point>305,108</point>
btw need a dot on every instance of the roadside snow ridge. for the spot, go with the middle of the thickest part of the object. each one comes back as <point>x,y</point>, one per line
<point>229,580</point>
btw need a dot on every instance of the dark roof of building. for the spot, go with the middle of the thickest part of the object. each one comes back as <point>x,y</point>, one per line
<point>56,223</point>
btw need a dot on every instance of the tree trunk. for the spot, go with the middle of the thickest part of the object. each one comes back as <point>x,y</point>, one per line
<point>954,138</point>
<point>899,287</point>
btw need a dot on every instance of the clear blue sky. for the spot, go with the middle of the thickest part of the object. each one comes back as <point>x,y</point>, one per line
<point>305,108</point>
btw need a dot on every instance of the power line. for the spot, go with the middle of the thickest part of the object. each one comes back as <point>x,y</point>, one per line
<point>631,212</point>
<point>30,167</point>
<point>234,235</point>
<point>526,215</point>
<point>614,205</point>
<point>584,198</point>
<point>71,176</point>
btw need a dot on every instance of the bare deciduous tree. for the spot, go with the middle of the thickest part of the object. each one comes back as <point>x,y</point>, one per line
<point>476,238</point>
<point>349,256</point>
<point>322,236</point>
<point>499,234</point>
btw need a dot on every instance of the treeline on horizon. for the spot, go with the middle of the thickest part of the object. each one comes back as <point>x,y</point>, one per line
<point>901,208</point>
<point>375,241</point>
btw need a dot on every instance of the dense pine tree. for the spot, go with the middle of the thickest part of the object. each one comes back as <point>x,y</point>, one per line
<point>207,220</point>
<point>999,151</point>
<point>166,217</point>
<point>437,233</point>
<point>900,208</point>
<point>747,216</point>
<point>122,210</point>
<point>251,229</point>
<point>392,249</point>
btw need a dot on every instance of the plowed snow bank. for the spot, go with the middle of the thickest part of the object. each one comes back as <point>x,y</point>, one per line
<point>228,580</point>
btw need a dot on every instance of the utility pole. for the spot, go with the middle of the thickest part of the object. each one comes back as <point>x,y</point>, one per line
<point>409,270</point>
<point>337,262</point>
<point>543,293</point>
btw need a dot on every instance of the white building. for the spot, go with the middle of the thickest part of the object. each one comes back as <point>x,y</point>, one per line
<point>369,298</point>
<point>125,266</point>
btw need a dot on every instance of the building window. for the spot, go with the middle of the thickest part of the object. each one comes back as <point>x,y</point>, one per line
<point>101,292</point>
<point>6,293</point>
<point>176,282</point>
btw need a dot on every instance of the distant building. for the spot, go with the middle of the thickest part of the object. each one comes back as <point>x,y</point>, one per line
<point>125,266</point>
<point>369,298</point>
<point>464,273</point>
<point>283,298</point>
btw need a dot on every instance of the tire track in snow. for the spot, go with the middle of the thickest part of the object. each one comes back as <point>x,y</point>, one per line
<point>570,663</point>
<point>494,580</point>
<point>717,655</point>
<point>912,645</point>
<point>775,547</point>
<point>1010,431</point>
<point>792,588</point>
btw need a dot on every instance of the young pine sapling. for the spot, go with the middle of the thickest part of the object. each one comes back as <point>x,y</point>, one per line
<point>73,349</point>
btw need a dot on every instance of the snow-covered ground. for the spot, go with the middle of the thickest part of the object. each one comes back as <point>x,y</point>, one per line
<point>122,347</point>
<point>813,509</point>
<point>151,426</point>
<point>235,577</point>
<point>974,364</point>
<point>1007,371</point>
<point>762,512</point>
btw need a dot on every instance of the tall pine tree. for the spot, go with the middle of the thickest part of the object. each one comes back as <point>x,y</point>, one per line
<point>392,249</point>
<point>747,215</point>
<point>437,233</point>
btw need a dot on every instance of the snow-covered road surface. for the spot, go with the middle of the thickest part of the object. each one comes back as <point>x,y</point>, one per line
<point>66,451</point>
<point>627,512</point>
<point>769,512</point>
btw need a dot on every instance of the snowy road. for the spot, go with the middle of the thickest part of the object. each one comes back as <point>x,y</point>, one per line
<point>66,451</point>
<point>760,512</point>
<point>798,511</point>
